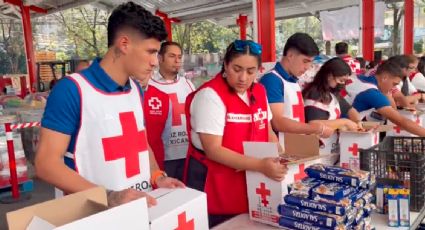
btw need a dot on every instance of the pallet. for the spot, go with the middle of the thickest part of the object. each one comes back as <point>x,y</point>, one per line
<point>23,187</point>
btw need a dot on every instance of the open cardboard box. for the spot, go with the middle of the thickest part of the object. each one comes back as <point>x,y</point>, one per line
<point>351,142</point>
<point>178,209</point>
<point>417,116</point>
<point>83,210</point>
<point>265,194</point>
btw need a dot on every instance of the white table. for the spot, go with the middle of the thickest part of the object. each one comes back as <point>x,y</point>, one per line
<point>242,221</point>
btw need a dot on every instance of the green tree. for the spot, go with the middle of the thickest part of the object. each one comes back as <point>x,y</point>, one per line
<point>204,36</point>
<point>12,53</point>
<point>85,28</point>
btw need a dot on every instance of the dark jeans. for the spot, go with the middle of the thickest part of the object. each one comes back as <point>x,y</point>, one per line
<point>175,168</point>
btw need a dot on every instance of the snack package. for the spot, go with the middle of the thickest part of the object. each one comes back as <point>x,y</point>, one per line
<point>317,218</point>
<point>332,191</point>
<point>300,224</point>
<point>393,211</point>
<point>304,202</point>
<point>403,205</point>
<point>355,178</point>
<point>304,186</point>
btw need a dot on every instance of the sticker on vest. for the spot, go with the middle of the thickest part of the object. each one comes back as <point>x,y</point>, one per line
<point>239,118</point>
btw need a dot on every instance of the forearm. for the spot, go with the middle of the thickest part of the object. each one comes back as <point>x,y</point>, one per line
<point>58,174</point>
<point>233,159</point>
<point>354,115</point>
<point>411,127</point>
<point>283,124</point>
<point>152,161</point>
<point>335,124</point>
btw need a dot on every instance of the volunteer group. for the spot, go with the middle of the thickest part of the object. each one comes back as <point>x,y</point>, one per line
<point>114,125</point>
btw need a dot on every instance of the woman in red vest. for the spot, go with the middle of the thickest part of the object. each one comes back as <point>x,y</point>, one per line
<point>223,113</point>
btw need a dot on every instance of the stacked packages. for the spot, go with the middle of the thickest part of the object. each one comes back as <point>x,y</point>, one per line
<point>329,198</point>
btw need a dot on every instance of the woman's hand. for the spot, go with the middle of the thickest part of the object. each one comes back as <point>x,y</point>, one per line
<point>273,169</point>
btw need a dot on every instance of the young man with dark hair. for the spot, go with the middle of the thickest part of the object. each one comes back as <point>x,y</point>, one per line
<point>165,116</point>
<point>284,93</point>
<point>371,96</point>
<point>341,50</point>
<point>93,126</point>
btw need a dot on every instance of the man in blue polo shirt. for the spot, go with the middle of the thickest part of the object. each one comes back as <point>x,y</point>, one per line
<point>371,97</point>
<point>284,92</point>
<point>94,119</point>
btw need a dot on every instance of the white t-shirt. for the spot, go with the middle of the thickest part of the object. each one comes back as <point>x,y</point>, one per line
<point>419,81</point>
<point>208,114</point>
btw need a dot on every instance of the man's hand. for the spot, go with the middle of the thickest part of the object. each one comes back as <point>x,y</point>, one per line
<point>169,182</point>
<point>116,198</point>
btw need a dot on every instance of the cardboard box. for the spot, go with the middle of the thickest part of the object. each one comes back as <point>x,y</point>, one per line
<point>397,131</point>
<point>351,142</point>
<point>178,209</point>
<point>265,194</point>
<point>83,210</point>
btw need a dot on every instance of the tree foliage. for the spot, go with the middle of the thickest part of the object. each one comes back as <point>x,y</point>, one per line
<point>12,51</point>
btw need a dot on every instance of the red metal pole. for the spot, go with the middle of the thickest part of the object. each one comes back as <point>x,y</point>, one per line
<point>29,47</point>
<point>408,26</point>
<point>368,29</point>
<point>242,22</point>
<point>266,29</point>
<point>23,81</point>
<point>167,23</point>
<point>12,162</point>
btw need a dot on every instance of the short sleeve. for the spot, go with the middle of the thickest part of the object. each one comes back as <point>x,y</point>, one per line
<point>62,112</point>
<point>274,88</point>
<point>369,99</point>
<point>312,113</point>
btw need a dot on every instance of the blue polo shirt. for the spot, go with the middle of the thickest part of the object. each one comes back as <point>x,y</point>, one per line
<point>62,112</point>
<point>371,98</point>
<point>274,84</point>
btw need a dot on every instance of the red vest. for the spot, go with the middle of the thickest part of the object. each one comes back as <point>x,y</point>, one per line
<point>226,189</point>
<point>156,107</point>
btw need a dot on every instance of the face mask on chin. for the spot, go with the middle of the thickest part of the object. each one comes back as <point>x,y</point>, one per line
<point>338,88</point>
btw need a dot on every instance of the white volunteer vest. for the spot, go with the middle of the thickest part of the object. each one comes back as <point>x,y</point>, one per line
<point>292,99</point>
<point>355,88</point>
<point>111,146</point>
<point>175,138</point>
<point>334,110</point>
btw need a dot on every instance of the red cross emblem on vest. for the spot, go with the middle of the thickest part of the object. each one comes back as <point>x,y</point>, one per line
<point>127,146</point>
<point>354,149</point>
<point>183,224</point>
<point>178,110</point>
<point>264,193</point>
<point>338,113</point>
<point>154,103</point>
<point>301,174</point>
<point>298,109</point>
<point>397,129</point>
<point>260,115</point>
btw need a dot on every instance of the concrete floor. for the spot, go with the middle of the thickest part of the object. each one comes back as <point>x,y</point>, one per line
<point>42,192</point>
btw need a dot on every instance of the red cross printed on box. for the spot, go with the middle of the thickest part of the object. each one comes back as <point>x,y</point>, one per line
<point>178,110</point>
<point>263,192</point>
<point>397,129</point>
<point>354,149</point>
<point>154,103</point>
<point>298,109</point>
<point>127,146</point>
<point>301,174</point>
<point>183,224</point>
<point>338,113</point>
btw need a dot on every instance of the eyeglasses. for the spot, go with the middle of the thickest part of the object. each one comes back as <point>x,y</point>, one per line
<point>254,47</point>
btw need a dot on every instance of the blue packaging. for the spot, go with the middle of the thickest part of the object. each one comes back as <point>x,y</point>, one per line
<point>317,218</point>
<point>303,225</point>
<point>305,202</point>
<point>354,178</point>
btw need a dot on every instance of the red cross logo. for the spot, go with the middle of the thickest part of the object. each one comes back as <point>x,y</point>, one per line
<point>298,109</point>
<point>154,103</point>
<point>397,129</point>
<point>301,174</point>
<point>263,192</point>
<point>178,110</point>
<point>262,69</point>
<point>127,146</point>
<point>260,115</point>
<point>354,149</point>
<point>183,225</point>
<point>338,113</point>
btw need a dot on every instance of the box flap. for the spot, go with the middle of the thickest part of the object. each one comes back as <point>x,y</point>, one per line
<point>370,127</point>
<point>171,198</point>
<point>301,145</point>
<point>77,206</point>
<point>39,224</point>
